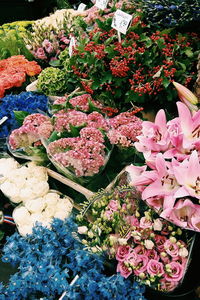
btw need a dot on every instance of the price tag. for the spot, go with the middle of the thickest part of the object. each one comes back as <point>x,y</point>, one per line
<point>101,4</point>
<point>121,21</point>
<point>81,7</point>
<point>3,120</point>
<point>72,44</point>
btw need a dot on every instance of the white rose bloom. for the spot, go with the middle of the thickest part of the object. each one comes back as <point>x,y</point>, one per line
<point>40,189</point>
<point>183,252</point>
<point>64,204</point>
<point>26,194</point>
<point>21,216</point>
<point>82,229</point>
<point>25,229</point>
<point>157,224</point>
<point>148,244</point>
<point>51,199</point>
<point>7,165</point>
<point>49,211</point>
<point>35,205</point>
<point>61,214</point>
<point>11,191</point>
<point>37,217</point>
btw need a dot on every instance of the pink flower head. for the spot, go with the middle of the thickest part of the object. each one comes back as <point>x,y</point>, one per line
<point>168,285</point>
<point>123,270</point>
<point>160,241</point>
<point>154,136</point>
<point>132,221</point>
<point>181,213</point>
<point>140,250</point>
<point>155,268</point>
<point>40,53</point>
<point>108,214</point>
<point>171,248</point>
<point>165,183</point>
<point>114,205</point>
<point>187,175</point>
<point>152,254</point>
<point>122,252</point>
<point>177,271</point>
<point>48,46</point>
<point>145,223</point>
<point>142,262</point>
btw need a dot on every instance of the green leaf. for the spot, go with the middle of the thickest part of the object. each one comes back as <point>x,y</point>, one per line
<point>1,235</point>
<point>183,66</point>
<point>189,52</point>
<point>165,82</point>
<point>20,116</point>
<point>55,63</point>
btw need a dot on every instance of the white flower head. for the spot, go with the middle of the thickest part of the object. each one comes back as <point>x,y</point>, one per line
<point>148,244</point>
<point>157,225</point>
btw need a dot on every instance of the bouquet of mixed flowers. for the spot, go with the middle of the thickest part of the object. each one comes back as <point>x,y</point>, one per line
<point>14,107</point>
<point>13,72</point>
<point>136,240</point>
<point>25,141</point>
<point>78,147</point>
<point>169,181</point>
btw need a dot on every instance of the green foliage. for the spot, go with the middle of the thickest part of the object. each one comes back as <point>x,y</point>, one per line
<point>11,43</point>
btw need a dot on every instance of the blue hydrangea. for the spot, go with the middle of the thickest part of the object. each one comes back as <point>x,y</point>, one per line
<point>48,261</point>
<point>171,13</point>
<point>26,101</point>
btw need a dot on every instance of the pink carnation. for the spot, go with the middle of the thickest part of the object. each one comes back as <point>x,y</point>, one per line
<point>122,252</point>
<point>154,267</point>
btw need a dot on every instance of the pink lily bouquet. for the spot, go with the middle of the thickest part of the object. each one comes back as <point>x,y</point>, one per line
<point>170,180</point>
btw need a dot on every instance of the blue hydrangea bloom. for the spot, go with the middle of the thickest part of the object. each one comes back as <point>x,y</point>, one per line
<point>48,261</point>
<point>26,101</point>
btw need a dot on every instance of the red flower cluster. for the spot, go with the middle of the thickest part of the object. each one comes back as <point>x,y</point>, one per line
<point>13,72</point>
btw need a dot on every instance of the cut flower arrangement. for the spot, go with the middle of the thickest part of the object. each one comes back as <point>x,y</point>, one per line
<point>13,72</point>
<point>78,138</point>
<point>137,241</point>
<point>169,182</point>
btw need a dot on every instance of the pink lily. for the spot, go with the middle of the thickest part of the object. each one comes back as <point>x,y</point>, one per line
<point>139,177</point>
<point>154,136</point>
<point>195,219</point>
<point>190,126</point>
<point>187,175</point>
<point>164,184</point>
<point>181,213</point>
<point>186,96</point>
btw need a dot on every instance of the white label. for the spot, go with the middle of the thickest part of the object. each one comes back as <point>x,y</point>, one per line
<point>3,120</point>
<point>101,4</point>
<point>121,21</point>
<point>72,44</point>
<point>81,7</point>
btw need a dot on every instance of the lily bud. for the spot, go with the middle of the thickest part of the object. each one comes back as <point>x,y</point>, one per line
<point>186,96</point>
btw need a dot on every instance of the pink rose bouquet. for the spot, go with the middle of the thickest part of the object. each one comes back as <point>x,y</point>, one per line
<point>144,245</point>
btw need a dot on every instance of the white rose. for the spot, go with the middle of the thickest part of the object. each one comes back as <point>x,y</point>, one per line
<point>35,205</point>
<point>51,199</point>
<point>21,216</point>
<point>64,204</point>
<point>11,191</point>
<point>26,193</point>
<point>40,189</point>
<point>25,229</point>
<point>36,217</point>
<point>7,165</point>
<point>49,211</point>
<point>148,244</point>
<point>157,224</point>
<point>61,214</point>
<point>183,252</point>
<point>82,229</point>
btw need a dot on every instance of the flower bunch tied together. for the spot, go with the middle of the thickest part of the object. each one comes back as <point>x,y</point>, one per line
<point>13,72</point>
<point>27,138</point>
<point>169,181</point>
<point>79,142</point>
<point>144,246</point>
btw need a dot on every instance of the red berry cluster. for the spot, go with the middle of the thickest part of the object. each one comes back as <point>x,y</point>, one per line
<point>87,88</point>
<point>119,68</point>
